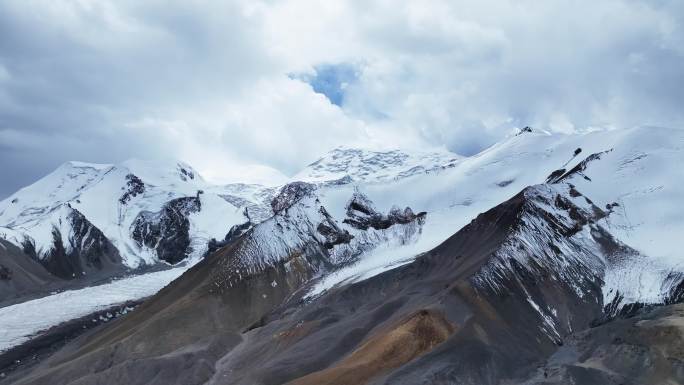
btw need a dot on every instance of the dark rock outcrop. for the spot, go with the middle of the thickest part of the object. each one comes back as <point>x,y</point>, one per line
<point>524,130</point>
<point>362,215</point>
<point>134,187</point>
<point>87,251</point>
<point>676,294</point>
<point>167,231</point>
<point>185,173</point>
<point>5,273</point>
<point>233,234</point>
<point>561,175</point>
<point>290,194</point>
<point>333,234</point>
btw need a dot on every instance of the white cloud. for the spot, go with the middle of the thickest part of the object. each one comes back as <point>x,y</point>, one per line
<point>208,81</point>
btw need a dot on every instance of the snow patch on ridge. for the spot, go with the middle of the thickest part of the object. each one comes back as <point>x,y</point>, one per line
<point>360,165</point>
<point>636,178</point>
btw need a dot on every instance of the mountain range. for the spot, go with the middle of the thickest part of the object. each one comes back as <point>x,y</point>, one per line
<point>544,259</point>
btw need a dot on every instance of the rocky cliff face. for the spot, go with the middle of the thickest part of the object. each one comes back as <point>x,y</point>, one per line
<point>304,229</point>
<point>290,194</point>
<point>78,248</point>
<point>167,232</point>
<point>149,212</point>
<point>362,215</point>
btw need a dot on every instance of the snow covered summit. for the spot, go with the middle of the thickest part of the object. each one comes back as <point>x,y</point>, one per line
<point>143,208</point>
<point>360,165</point>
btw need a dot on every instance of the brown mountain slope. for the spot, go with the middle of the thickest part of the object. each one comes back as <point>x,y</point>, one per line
<point>485,307</point>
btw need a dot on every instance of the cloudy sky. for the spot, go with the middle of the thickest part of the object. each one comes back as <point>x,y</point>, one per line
<point>250,90</point>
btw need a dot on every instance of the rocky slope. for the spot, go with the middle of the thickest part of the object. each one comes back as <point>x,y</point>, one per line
<point>122,202</point>
<point>261,268</point>
<point>19,274</point>
<point>346,165</point>
<point>484,307</point>
<point>644,349</point>
<point>342,285</point>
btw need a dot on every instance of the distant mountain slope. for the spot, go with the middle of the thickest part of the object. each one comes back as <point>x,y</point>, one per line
<point>359,165</point>
<point>152,212</point>
<point>88,219</point>
<point>19,274</point>
<point>116,199</point>
<point>93,220</point>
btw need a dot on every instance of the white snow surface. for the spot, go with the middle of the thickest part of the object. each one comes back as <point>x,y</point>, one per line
<point>641,171</point>
<point>21,322</point>
<point>378,260</point>
<point>95,191</point>
<point>362,165</point>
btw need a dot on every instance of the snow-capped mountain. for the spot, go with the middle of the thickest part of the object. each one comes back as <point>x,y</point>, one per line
<point>83,215</point>
<point>142,213</point>
<point>344,165</point>
<point>628,175</point>
<point>98,220</point>
<point>629,171</point>
<point>491,261</point>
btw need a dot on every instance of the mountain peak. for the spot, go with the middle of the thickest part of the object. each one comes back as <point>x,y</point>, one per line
<point>358,164</point>
<point>167,171</point>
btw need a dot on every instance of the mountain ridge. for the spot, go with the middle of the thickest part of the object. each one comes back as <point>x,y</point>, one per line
<point>569,231</point>
<point>440,287</point>
<point>137,206</point>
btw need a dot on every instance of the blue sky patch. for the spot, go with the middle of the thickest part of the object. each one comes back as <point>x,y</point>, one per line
<point>331,80</point>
